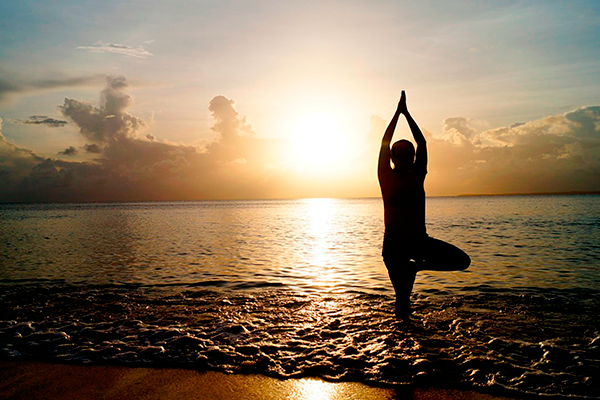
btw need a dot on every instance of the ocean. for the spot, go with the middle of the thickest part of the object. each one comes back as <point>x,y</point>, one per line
<point>296,288</point>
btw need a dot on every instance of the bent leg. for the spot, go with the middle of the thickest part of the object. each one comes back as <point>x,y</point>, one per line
<point>441,256</point>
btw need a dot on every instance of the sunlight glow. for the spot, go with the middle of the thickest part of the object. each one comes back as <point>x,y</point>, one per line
<point>319,228</point>
<point>313,389</point>
<point>318,142</point>
<point>320,213</point>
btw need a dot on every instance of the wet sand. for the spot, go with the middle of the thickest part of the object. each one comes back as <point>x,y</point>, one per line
<point>38,380</point>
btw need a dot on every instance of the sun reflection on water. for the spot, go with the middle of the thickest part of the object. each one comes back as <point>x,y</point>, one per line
<point>320,214</point>
<point>314,389</point>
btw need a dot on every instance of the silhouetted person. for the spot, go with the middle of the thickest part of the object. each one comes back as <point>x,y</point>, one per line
<point>407,248</point>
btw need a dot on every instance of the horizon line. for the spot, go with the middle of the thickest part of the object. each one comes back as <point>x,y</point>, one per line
<point>566,193</point>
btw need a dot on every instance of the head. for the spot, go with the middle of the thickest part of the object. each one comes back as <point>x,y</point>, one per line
<point>403,154</point>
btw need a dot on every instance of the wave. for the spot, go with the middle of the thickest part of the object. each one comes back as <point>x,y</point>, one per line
<point>529,340</point>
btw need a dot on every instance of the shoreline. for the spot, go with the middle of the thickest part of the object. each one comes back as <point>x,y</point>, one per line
<point>46,380</point>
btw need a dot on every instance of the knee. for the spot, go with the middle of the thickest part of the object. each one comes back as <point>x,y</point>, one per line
<point>464,261</point>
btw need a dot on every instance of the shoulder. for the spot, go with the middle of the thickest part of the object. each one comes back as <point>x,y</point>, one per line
<point>385,176</point>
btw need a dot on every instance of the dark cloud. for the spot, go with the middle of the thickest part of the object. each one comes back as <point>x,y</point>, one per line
<point>11,84</point>
<point>69,151</point>
<point>555,153</point>
<point>66,82</point>
<point>7,87</point>
<point>15,165</point>
<point>41,120</point>
<point>136,166</point>
<point>92,148</point>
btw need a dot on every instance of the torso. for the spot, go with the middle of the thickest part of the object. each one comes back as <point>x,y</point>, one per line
<point>404,204</point>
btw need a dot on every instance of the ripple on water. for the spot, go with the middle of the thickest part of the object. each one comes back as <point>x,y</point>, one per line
<point>539,341</point>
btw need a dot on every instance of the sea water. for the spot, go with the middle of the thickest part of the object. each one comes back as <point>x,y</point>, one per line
<point>294,288</point>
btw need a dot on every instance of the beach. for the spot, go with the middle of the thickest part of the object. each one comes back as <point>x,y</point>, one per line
<point>299,200</point>
<point>39,380</point>
<point>296,289</point>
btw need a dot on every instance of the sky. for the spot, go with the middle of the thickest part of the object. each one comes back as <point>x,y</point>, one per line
<point>191,100</point>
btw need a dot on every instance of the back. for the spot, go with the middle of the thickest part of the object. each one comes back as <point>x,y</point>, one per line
<point>404,202</point>
<point>402,187</point>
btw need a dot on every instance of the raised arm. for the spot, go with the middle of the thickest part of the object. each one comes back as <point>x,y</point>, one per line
<point>384,153</point>
<point>421,157</point>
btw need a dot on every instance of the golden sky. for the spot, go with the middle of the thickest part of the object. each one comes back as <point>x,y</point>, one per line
<point>182,100</point>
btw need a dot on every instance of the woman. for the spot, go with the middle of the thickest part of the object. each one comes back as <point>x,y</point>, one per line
<point>407,248</point>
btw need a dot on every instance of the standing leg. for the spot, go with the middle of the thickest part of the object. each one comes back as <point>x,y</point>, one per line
<point>402,275</point>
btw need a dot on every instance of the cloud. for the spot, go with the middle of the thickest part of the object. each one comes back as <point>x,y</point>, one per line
<point>92,148</point>
<point>457,131</point>
<point>66,82</point>
<point>41,120</point>
<point>110,122</point>
<point>128,51</point>
<point>69,151</point>
<point>554,153</point>
<point>11,84</point>
<point>134,165</point>
<point>551,154</point>
<point>7,87</point>
<point>461,130</point>
<point>15,165</point>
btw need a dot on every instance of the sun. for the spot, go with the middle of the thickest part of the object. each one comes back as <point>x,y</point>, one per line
<point>318,142</point>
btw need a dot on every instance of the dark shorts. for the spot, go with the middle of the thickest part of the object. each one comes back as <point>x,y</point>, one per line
<point>430,253</point>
